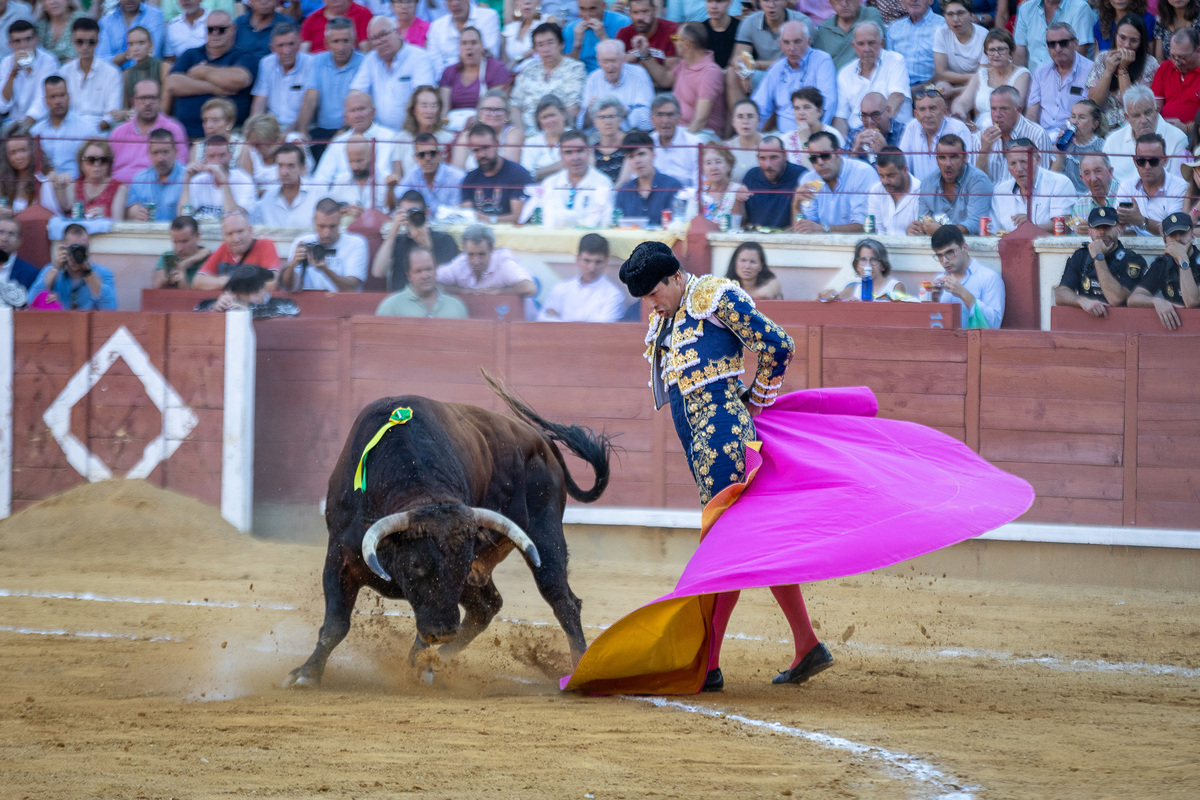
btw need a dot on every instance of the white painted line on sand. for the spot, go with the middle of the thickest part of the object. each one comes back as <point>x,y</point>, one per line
<point>911,653</point>
<point>943,786</point>
<point>105,598</point>
<point>86,634</point>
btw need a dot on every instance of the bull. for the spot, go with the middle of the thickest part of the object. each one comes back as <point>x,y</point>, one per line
<point>451,493</point>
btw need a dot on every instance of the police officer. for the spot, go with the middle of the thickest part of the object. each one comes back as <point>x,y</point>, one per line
<point>1174,277</point>
<point>1103,272</point>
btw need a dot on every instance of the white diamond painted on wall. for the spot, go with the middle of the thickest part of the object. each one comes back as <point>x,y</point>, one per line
<point>178,419</point>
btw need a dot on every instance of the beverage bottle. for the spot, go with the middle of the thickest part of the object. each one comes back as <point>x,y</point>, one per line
<point>1064,141</point>
<point>868,283</point>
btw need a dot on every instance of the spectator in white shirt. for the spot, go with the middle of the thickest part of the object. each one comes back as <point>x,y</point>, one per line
<point>1008,125</point>
<point>62,131</point>
<point>392,71</point>
<point>327,260</point>
<point>921,135</point>
<point>875,70</point>
<point>21,92</point>
<point>214,187</point>
<point>290,202</point>
<point>441,41</point>
<point>894,200</point>
<point>1033,193</point>
<point>363,190</point>
<point>10,12</point>
<point>1144,202</point>
<point>97,87</point>
<point>1141,112</point>
<point>284,78</point>
<point>630,83</point>
<point>578,195</point>
<point>360,118</point>
<point>187,30</point>
<point>590,297</point>
<point>675,147</point>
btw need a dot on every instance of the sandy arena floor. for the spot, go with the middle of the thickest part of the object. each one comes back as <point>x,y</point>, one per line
<point>142,642</point>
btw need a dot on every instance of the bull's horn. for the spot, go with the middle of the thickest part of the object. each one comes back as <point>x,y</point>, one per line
<point>502,524</point>
<point>393,523</point>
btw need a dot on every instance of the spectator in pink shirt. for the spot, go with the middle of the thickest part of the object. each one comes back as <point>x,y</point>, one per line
<point>697,82</point>
<point>482,269</point>
<point>130,140</point>
<point>412,28</point>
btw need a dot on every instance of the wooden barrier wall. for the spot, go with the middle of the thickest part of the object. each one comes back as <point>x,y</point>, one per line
<point>1106,427</point>
<point>117,419</point>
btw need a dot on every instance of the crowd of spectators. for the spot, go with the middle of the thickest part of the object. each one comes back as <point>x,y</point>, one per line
<point>806,116</point>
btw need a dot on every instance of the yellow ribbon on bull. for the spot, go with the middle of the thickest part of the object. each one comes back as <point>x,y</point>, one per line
<point>399,417</point>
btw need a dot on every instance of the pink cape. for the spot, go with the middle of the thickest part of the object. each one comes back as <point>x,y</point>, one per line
<point>835,492</point>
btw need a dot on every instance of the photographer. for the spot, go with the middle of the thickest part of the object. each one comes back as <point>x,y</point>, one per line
<point>410,228</point>
<point>328,260</point>
<point>73,280</point>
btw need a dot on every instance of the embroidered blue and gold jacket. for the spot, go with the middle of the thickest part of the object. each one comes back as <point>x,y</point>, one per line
<point>716,321</point>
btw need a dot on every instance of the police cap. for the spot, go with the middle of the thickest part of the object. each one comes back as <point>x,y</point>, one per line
<point>1102,216</point>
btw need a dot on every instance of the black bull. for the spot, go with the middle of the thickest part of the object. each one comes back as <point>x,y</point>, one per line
<point>450,494</point>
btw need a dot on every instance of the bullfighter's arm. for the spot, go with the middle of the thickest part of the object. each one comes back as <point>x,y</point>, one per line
<point>772,343</point>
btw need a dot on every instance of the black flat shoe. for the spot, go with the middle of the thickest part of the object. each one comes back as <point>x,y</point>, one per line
<point>816,661</point>
<point>714,681</point>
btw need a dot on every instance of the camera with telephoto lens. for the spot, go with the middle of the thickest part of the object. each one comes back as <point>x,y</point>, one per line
<point>78,253</point>
<point>315,252</point>
<point>416,217</point>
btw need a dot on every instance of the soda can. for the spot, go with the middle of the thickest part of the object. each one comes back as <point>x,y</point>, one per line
<point>77,211</point>
<point>985,226</point>
<point>667,216</point>
<point>869,223</point>
<point>616,218</point>
<point>151,209</point>
<point>726,223</point>
<point>187,211</point>
<point>1060,226</point>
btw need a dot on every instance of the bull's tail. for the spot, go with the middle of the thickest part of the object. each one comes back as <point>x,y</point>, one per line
<point>594,448</point>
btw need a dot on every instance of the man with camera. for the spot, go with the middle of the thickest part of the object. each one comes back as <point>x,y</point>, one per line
<point>328,260</point>
<point>73,280</point>
<point>410,229</point>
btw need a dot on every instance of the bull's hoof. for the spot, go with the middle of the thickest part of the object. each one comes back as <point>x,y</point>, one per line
<point>300,678</point>
<point>427,676</point>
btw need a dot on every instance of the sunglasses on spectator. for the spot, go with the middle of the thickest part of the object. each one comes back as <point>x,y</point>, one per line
<point>872,260</point>
<point>81,42</point>
<point>1053,43</point>
<point>96,160</point>
<point>819,158</point>
<point>1021,142</point>
<point>1152,161</point>
<point>218,29</point>
<point>929,91</point>
<point>426,153</point>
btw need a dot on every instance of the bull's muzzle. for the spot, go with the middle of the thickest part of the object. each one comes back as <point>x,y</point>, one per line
<point>483,517</point>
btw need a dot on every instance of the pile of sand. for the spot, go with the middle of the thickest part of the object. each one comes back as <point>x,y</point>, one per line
<point>103,525</point>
